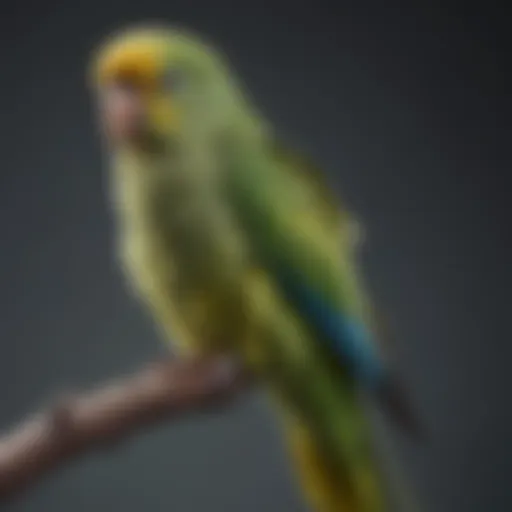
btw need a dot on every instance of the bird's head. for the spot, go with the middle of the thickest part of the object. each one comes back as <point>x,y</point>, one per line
<point>155,85</point>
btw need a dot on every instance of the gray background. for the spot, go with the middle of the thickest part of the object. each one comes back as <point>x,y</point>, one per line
<point>406,109</point>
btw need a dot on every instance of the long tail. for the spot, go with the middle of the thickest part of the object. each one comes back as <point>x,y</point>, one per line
<point>328,487</point>
<point>369,481</point>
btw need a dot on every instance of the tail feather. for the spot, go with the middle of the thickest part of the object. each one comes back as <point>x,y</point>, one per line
<point>328,487</point>
<point>373,482</point>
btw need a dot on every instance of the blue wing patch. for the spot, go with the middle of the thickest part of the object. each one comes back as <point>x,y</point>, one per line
<point>349,339</point>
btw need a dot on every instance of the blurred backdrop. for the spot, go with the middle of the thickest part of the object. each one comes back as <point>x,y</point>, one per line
<point>406,110</point>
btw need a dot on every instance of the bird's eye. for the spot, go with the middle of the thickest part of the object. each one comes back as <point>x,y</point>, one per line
<point>174,80</point>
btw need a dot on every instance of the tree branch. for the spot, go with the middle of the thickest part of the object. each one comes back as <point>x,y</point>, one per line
<point>77,424</point>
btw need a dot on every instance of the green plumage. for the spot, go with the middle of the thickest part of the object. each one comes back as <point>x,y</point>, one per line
<point>228,237</point>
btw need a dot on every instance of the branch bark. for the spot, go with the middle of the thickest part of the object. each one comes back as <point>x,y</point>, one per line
<point>78,424</point>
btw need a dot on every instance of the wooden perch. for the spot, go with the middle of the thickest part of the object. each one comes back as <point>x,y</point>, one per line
<point>80,423</point>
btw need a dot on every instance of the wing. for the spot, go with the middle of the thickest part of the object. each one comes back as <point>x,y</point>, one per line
<point>294,225</point>
<point>344,224</point>
<point>338,217</point>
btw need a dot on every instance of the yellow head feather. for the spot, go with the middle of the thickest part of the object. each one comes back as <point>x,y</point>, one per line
<point>142,56</point>
<point>138,55</point>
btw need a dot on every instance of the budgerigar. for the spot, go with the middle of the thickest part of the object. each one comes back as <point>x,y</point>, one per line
<point>237,245</point>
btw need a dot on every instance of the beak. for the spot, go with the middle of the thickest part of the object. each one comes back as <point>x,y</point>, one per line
<point>123,114</point>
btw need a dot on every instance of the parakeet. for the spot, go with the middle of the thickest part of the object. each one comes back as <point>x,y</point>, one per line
<point>237,245</point>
